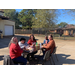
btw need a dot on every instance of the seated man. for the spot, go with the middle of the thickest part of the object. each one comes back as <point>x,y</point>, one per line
<point>50,45</point>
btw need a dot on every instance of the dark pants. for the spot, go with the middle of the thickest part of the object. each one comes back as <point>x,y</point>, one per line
<point>21,60</point>
<point>43,50</point>
<point>32,55</point>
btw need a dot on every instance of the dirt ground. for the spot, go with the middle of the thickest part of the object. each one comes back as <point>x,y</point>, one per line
<point>65,51</point>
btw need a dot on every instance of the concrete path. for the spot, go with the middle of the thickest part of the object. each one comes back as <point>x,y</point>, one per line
<point>65,50</point>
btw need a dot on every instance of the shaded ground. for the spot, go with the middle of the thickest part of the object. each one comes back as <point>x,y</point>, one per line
<point>65,50</point>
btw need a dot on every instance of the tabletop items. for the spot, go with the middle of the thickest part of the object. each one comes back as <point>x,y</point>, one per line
<point>32,48</point>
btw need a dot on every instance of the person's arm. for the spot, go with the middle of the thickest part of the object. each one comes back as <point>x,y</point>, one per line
<point>48,40</point>
<point>26,44</point>
<point>17,49</point>
<point>21,45</point>
<point>44,42</point>
<point>49,45</point>
<point>29,42</point>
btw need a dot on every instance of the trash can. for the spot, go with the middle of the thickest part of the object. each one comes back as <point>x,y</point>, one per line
<point>1,34</point>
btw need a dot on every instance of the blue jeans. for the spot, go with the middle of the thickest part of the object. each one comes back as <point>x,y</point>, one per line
<point>20,60</point>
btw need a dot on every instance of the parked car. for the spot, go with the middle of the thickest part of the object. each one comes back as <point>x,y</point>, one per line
<point>0,31</point>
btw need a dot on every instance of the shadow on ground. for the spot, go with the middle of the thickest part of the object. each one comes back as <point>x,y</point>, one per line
<point>1,57</point>
<point>62,59</point>
<point>5,41</point>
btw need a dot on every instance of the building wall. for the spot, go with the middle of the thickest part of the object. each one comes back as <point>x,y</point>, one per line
<point>66,32</point>
<point>71,32</point>
<point>1,13</point>
<point>6,22</point>
<point>1,25</point>
<point>74,35</point>
<point>55,31</point>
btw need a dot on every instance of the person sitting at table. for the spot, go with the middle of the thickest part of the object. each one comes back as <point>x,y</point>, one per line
<point>32,41</point>
<point>22,43</point>
<point>15,51</point>
<point>50,45</point>
<point>46,40</point>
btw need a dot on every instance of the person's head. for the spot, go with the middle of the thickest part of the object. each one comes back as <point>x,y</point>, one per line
<point>50,37</point>
<point>46,37</point>
<point>22,40</point>
<point>32,37</point>
<point>13,40</point>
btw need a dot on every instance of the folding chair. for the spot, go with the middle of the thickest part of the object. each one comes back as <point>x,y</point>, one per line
<point>9,61</point>
<point>54,52</point>
<point>46,57</point>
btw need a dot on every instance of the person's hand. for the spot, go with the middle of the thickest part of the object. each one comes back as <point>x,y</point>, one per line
<point>24,48</point>
<point>42,46</point>
<point>33,45</point>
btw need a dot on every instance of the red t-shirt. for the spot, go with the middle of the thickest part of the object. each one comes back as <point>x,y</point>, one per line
<point>31,41</point>
<point>15,51</point>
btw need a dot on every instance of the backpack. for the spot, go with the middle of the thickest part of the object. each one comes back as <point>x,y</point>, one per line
<point>7,60</point>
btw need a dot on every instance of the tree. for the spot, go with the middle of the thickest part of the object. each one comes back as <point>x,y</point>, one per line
<point>44,18</point>
<point>13,15</point>
<point>70,13</point>
<point>25,17</point>
<point>62,24</point>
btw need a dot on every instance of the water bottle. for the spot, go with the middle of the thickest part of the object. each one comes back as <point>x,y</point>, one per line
<point>40,45</point>
<point>36,43</point>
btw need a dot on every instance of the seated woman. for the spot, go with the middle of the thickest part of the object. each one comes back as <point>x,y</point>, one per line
<point>15,51</point>
<point>50,45</point>
<point>32,41</point>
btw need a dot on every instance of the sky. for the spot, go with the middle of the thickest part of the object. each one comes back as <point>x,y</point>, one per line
<point>62,17</point>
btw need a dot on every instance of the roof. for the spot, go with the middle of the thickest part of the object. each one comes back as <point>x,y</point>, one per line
<point>1,11</point>
<point>4,17</point>
<point>69,27</point>
<point>58,28</point>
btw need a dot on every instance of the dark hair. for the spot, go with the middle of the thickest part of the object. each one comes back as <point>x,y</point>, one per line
<point>46,37</point>
<point>33,37</point>
<point>51,36</point>
<point>22,39</point>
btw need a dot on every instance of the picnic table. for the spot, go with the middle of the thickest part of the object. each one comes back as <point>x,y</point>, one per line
<point>31,50</point>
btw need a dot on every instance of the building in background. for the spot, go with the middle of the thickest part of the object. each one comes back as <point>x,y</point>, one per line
<point>68,30</point>
<point>7,26</point>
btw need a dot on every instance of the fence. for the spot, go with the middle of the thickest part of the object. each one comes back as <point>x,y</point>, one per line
<point>43,32</point>
<point>23,31</point>
<point>34,31</point>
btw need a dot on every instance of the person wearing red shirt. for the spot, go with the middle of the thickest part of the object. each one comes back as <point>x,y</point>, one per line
<point>32,41</point>
<point>15,52</point>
